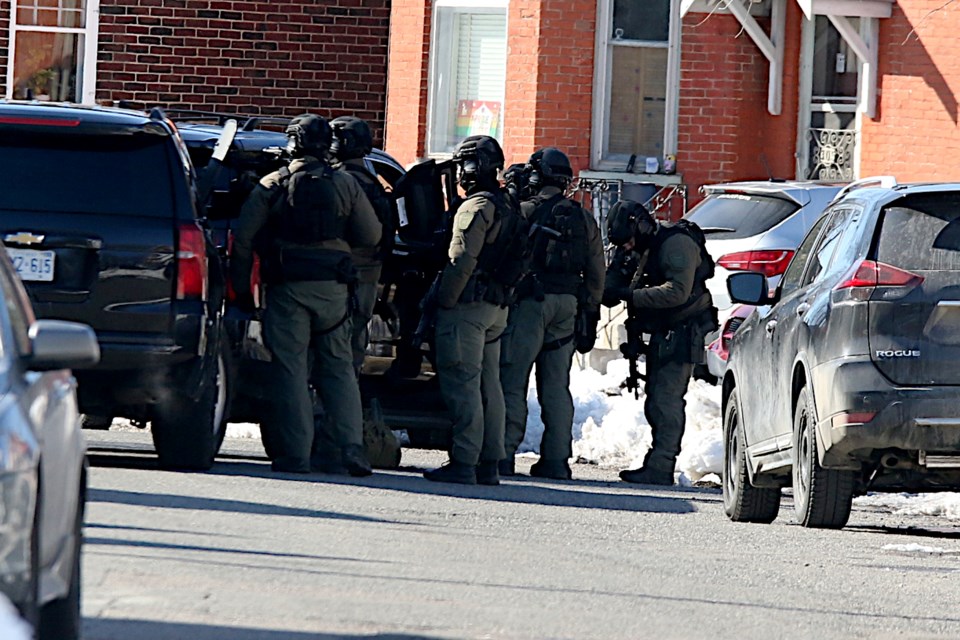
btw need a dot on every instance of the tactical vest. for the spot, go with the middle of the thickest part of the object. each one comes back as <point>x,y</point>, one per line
<point>504,262</point>
<point>310,211</point>
<point>560,244</point>
<point>383,205</point>
<point>654,275</point>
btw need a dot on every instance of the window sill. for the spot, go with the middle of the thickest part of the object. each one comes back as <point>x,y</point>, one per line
<point>659,179</point>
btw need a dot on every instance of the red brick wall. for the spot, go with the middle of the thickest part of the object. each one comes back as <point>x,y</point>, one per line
<point>915,135</point>
<point>408,79</point>
<point>725,130</point>
<point>4,43</point>
<point>247,56</point>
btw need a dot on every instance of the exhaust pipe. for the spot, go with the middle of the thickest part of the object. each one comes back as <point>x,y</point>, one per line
<point>890,460</point>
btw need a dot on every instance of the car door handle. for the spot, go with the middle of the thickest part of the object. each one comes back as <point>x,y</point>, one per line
<point>770,327</point>
<point>802,308</point>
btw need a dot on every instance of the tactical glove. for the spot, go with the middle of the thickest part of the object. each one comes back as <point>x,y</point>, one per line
<point>585,328</point>
<point>612,296</point>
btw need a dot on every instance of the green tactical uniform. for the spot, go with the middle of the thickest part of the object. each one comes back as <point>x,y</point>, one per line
<point>368,260</point>
<point>468,338</point>
<point>541,331</point>
<point>307,314</point>
<point>671,306</point>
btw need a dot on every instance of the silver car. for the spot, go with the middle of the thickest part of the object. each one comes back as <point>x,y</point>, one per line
<point>755,226</point>
<point>42,454</point>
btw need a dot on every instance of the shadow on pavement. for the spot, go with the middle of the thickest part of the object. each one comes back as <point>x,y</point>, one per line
<point>111,629</point>
<point>949,533</point>
<point>172,501</point>
<point>531,491</point>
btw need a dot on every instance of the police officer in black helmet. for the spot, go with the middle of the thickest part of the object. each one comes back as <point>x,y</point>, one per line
<point>311,215</point>
<point>664,285</point>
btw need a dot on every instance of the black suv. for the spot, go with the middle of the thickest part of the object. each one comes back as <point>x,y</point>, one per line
<point>405,395</point>
<point>100,215</point>
<point>847,379</point>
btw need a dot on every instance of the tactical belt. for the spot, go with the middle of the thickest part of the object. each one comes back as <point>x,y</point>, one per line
<point>559,343</point>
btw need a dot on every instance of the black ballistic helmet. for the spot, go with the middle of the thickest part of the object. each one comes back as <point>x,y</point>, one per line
<point>517,178</point>
<point>479,158</point>
<point>308,135</point>
<point>351,138</point>
<point>629,220</point>
<point>550,166</point>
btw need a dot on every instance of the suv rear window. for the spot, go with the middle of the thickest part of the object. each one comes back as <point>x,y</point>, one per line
<point>86,174</point>
<point>728,216</point>
<point>922,233</point>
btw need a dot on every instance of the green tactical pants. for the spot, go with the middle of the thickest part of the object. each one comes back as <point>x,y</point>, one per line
<point>468,365</point>
<point>665,407</point>
<point>533,336</point>
<point>366,301</point>
<point>298,318</point>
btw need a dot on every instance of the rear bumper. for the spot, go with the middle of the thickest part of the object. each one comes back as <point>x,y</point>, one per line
<point>907,419</point>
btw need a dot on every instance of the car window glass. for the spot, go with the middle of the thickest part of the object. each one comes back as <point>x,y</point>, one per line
<point>827,245</point>
<point>17,305</point>
<point>922,233</point>
<point>727,216</point>
<point>791,278</point>
<point>109,174</point>
<point>848,248</point>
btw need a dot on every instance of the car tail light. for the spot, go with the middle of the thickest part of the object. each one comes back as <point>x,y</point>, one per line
<point>192,274</point>
<point>39,122</point>
<point>768,262</point>
<point>254,274</point>
<point>869,275</point>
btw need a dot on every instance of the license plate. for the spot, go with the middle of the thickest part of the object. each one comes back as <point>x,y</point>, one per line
<point>33,265</point>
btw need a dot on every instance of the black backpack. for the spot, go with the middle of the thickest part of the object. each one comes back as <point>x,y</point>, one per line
<point>383,205</point>
<point>506,259</point>
<point>309,211</point>
<point>707,266</point>
<point>559,234</point>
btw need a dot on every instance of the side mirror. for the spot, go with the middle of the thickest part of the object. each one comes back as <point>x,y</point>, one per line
<point>749,288</point>
<point>57,344</point>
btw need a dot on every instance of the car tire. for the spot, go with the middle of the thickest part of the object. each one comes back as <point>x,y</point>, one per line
<point>60,619</point>
<point>95,422</point>
<point>187,433</point>
<point>822,497</point>
<point>742,501</point>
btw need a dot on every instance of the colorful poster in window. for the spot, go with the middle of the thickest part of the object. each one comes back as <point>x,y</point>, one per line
<point>477,118</point>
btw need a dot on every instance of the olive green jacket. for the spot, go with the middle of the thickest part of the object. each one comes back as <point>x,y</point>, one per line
<point>474,226</point>
<point>678,258</point>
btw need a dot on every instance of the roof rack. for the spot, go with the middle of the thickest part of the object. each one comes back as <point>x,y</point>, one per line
<point>254,122</point>
<point>184,115</point>
<point>884,182</point>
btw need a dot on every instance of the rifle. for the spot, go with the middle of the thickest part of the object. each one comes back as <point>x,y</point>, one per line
<point>428,314</point>
<point>632,350</point>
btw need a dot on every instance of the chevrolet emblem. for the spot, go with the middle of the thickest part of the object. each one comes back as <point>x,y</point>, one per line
<point>23,237</point>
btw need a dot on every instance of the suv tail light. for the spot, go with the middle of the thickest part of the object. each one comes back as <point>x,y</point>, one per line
<point>192,274</point>
<point>254,274</point>
<point>768,262</point>
<point>39,122</point>
<point>869,275</point>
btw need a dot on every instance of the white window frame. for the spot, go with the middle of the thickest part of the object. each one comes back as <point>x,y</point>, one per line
<point>87,49</point>
<point>603,70</point>
<point>435,82</point>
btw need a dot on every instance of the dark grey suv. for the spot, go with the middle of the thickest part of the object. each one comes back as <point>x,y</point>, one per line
<point>847,379</point>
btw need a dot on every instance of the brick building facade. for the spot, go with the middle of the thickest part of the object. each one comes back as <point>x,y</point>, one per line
<point>865,88</point>
<point>237,56</point>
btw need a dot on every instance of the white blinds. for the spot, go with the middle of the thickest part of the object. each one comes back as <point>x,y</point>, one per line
<point>481,51</point>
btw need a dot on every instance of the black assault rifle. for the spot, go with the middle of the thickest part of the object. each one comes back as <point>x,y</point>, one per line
<point>428,314</point>
<point>632,349</point>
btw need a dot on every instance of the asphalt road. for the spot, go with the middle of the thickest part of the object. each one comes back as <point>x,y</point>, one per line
<point>244,554</point>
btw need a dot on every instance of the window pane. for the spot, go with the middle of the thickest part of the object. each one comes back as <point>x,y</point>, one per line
<point>791,279</point>
<point>45,66</point>
<point>922,233</point>
<point>51,13</point>
<point>834,64</point>
<point>470,52</point>
<point>120,174</point>
<point>729,216</point>
<point>638,97</point>
<point>641,20</point>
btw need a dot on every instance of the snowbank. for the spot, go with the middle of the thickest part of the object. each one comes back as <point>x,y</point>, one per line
<point>12,626</point>
<point>924,504</point>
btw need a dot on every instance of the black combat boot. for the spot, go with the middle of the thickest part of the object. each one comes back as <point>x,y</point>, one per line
<point>488,473</point>
<point>553,469</point>
<point>647,476</point>
<point>453,471</point>
<point>507,467</point>
<point>355,460</point>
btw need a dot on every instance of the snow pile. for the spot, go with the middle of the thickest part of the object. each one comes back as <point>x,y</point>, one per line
<point>924,504</point>
<point>609,428</point>
<point>12,626</point>
<point>913,548</point>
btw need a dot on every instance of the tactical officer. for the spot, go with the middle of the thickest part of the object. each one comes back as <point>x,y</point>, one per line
<point>566,278</point>
<point>473,296</point>
<point>305,218</point>
<point>668,296</point>
<point>352,141</point>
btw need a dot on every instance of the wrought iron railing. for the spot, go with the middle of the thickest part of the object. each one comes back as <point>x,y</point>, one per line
<point>831,154</point>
